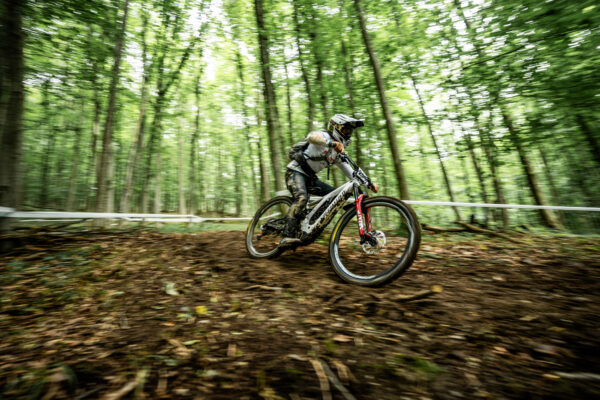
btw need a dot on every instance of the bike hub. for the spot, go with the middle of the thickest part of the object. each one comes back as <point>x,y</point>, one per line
<point>374,243</point>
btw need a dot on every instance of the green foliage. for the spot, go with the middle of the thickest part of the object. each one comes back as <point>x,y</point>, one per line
<point>470,61</point>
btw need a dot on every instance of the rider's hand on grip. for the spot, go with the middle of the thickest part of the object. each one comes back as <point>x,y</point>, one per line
<point>375,187</point>
<point>338,147</point>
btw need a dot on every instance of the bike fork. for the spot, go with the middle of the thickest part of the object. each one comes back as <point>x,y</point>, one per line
<point>364,219</point>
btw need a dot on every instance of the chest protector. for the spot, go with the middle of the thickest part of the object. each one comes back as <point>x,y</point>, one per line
<point>297,153</point>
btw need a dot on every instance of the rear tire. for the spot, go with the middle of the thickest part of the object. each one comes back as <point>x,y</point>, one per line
<point>400,236</point>
<point>262,240</point>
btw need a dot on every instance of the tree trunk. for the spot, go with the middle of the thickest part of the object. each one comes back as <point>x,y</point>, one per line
<point>437,150</point>
<point>49,149</point>
<point>150,151</point>
<point>157,188</point>
<point>547,215</point>
<point>164,82</point>
<point>180,171</point>
<point>288,97</point>
<point>5,84</point>
<point>316,50</point>
<point>488,147</point>
<point>478,171</point>
<point>138,144</point>
<point>273,126</point>
<point>12,131</point>
<point>75,163</point>
<point>193,206</point>
<point>589,136</point>
<point>265,188</point>
<point>105,177</point>
<point>466,178</point>
<point>244,109</point>
<point>92,169</point>
<point>391,130</point>
<point>426,169</point>
<point>303,68</point>
<point>134,154</point>
<point>239,185</point>
<point>350,90</point>
<point>219,181</point>
<point>551,182</point>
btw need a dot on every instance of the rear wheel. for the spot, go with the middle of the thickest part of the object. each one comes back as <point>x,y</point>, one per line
<point>396,239</point>
<point>264,232</point>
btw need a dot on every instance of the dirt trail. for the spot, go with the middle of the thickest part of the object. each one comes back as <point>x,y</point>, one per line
<point>191,316</point>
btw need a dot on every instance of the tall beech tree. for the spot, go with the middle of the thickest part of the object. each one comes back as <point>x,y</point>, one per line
<point>273,124</point>
<point>105,195</point>
<point>136,149</point>
<point>390,126</point>
<point>12,104</point>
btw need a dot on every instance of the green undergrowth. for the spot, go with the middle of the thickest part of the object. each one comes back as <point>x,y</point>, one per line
<point>201,227</point>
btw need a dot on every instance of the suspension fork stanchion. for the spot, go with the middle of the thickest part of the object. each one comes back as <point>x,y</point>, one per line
<point>359,215</point>
<point>367,220</point>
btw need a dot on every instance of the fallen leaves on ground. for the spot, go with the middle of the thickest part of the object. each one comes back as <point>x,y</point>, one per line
<point>191,316</point>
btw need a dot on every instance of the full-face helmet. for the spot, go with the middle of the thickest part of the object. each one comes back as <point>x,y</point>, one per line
<point>341,126</point>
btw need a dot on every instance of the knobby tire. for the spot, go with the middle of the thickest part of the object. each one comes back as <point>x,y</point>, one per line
<point>251,232</point>
<point>397,268</point>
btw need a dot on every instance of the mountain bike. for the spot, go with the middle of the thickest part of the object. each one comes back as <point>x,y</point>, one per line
<point>374,241</point>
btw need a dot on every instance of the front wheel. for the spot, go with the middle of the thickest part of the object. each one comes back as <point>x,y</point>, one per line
<point>396,239</point>
<point>264,232</point>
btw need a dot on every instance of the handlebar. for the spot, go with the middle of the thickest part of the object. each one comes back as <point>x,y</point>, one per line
<point>358,172</point>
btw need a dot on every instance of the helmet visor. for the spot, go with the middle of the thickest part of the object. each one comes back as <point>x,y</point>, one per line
<point>346,130</point>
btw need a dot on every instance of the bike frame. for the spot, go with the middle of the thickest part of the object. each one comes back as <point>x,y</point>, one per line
<point>333,202</point>
<point>325,209</point>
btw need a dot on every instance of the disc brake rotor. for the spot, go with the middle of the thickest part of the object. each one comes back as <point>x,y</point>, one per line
<point>379,237</point>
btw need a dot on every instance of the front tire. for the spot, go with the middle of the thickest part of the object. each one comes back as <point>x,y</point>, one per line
<point>264,231</point>
<point>398,235</point>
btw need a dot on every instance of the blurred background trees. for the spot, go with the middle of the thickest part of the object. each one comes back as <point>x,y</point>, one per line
<point>191,105</point>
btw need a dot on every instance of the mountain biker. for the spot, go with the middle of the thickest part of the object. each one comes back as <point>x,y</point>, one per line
<point>324,147</point>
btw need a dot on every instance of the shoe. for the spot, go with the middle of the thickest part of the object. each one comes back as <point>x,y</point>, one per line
<point>287,241</point>
<point>289,233</point>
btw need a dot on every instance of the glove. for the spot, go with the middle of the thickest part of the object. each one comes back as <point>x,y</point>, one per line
<point>338,147</point>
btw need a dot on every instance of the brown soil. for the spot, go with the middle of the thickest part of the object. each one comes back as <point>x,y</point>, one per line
<point>90,317</point>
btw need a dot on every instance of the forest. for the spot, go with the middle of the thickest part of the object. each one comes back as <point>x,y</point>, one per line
<point>189,107</point>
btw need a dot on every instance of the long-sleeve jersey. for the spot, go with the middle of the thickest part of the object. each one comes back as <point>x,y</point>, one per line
<point>319,156</point>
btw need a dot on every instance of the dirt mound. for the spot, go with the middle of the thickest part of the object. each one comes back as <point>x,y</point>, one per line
<point>191,316</point>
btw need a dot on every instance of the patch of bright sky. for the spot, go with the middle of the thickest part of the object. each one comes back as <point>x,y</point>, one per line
<point>215,14</point>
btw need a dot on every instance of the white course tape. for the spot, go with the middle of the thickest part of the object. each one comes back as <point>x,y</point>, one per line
<point>180,218</point>
<point>86,215</point>
<point>486,205</point>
